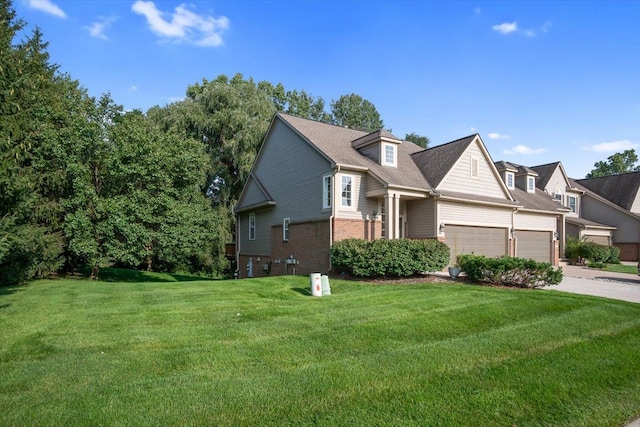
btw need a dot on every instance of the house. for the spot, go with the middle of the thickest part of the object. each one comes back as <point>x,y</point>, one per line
<point>313,184</point>
<point>578,223</point>
<point>615,200</point>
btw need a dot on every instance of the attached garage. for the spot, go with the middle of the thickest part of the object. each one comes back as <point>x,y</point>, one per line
<point>596,238</point>
<point>536,245</point>
<point>487,241</point>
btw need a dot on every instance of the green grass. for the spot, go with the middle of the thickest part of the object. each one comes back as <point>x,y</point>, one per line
<point>621,268</point>
<point>264,352</point>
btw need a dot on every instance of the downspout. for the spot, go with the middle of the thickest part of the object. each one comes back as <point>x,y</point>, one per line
<point>238,240</point>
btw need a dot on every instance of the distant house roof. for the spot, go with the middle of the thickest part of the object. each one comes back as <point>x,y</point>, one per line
<point>514,167</point>
<point>620,189</point>
<point>537,201</point>
<point>544,173</point>
<point>437,161</point>
<point>585,223</point>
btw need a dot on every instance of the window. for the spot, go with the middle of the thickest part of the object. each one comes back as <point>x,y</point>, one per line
<point>252,226</point>
<point>347,191</point>
<point>389,155</point>
<point>383,220</point>
<point>557,197</point>
<point>326,192</point>
<point>531,184</point>
<point>510,178</point>
<point>474,168</point>
<point>572,203</point>
<point>285,229</point>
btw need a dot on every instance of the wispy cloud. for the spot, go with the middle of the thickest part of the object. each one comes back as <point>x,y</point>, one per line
<point>133,88</point>
<point>506,27</point>
<point>183,25</point>
<point>477,11</point>
<point>97,29</point>
<point>496,135</point>
<point>523,149</point>
<point>512,28</point>
<point>612,147</point>
<point>46,6</point>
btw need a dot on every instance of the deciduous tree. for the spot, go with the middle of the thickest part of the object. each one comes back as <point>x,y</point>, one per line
<point>616,164</point>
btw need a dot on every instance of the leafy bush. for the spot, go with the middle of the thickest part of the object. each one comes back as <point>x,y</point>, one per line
<point>509,271</point>
<point>382,257</point>
<point>614,255</point>
<point>594,252</point>
<point>591,251</point>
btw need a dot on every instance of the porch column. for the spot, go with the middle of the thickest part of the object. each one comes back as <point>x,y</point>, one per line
<point>396,216</point>
<point>388,216</point>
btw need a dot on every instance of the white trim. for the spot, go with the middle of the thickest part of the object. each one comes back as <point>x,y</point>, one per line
<point>347,195</point>
<point>531,184</point>
<point>327,194</point>
<point>285,229</point>
<point>394,154</point>
<point>475,167</point>
<point>511,175</point>
<point>252,226</point>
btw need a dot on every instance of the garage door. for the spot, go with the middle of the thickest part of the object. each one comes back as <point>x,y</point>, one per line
<point>535,245</point>
<point>601,240</point>
<point>462,239</point>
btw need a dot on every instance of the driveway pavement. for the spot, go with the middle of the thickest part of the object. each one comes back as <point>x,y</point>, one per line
<point>589,281</point>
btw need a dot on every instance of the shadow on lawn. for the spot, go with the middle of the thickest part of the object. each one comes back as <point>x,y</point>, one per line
<point>137,276</point>
<point>303,291</point>
<point>8,290</point>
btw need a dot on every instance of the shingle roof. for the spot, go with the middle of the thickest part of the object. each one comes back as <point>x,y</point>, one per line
<point>537,201</point>
<point>437,161</point>
<point>335,142</point>
<point>544,173</point>
<point>502,165</point>
<point>620,189</point>
<point>586,223</point>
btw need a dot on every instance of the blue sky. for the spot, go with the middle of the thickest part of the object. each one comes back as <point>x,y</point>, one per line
<point>539,81</point>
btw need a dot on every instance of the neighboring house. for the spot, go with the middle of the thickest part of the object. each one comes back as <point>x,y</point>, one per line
<point>578,224</point>
<point>313,184</point>
<point>615,200</point>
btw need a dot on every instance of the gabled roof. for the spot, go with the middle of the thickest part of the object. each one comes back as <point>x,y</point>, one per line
<point>335,143</point>
<point>585,223</point>
<point>375,136</point>
<point>437,161</point>
<point>539,201</point>
<point>502,165</point>
<point>265,199</point>
<point>620,189</point>
<point>545,172</point>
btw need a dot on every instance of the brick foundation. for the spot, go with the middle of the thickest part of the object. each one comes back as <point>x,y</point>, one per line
<point>308,244</point>
<point>355,228</point>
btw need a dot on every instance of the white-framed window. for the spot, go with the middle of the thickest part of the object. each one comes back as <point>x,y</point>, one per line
<point>252,226</point>
<point>531,184</point>
<point>558,197</point>
<point>475,168</point>
<point>389,154</point>
<point>571,203</point>
<point>326,192</point>
<point>347,191</point>
<point>510,180</point>
<point>285,229</point>
<point>383,220</point>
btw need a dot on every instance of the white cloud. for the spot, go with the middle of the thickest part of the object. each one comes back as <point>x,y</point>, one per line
<point>496,135</point>
<point>133,88</point>
<point>506,27</point>
<point>46,6</point>
<point>523,149</point>
<point>612,147</point>
<point>184,25</point>
<point>477,11</point>
<point>97,29</point>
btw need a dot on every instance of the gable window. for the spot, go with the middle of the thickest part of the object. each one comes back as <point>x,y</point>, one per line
<point>326,192</point>
<point>347,182</point>
<point>252,226</point>
<point>531,184</point>
<point>475,166</point>
<point>285,229</point>
<point>389,155</point>
<point>572,203</point>
<point>510,179</point>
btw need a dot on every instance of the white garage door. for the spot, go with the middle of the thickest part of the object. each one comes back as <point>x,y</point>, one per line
<point>534,245</point>
<point>487,241</point>
<point>601,240</point>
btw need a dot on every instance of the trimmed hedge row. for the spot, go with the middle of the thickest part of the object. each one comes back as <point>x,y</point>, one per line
<point>593,252</point>
<point>394,258</point>
<point>509,271</point>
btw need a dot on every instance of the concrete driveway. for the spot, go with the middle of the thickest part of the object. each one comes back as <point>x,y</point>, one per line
<point>589,281</point>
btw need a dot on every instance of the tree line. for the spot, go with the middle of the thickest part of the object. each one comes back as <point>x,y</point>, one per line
<point>85,183</point>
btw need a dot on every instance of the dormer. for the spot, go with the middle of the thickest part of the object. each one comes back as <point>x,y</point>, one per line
<point>380,146</point>
<point>526,179</point>
<point>508,173</point>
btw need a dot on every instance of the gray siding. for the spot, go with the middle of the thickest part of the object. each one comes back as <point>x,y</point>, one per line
<point>372,152</point>
<point>252,194</point>
<point>459,178</point>
<point>262,243</point>
<point>628,227</point>
<point>421,218</point>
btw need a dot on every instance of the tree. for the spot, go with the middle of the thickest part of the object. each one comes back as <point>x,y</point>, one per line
<point>422,141</point>
<point>616,164</point>
<point>355,112</point>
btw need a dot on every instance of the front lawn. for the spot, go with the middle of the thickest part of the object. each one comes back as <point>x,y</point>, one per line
<point>621,268</point>
<point>264,352</point>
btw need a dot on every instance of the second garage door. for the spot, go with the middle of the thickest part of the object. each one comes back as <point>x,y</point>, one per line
<point>535,245</point>
<point>487,241</point>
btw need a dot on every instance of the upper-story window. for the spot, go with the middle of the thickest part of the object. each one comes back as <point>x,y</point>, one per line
<point>389,154</point>
<point>571,202</point>
<point>510,180</point>
<point>252,226</point>
<point>285,229</point>
<point>531,184</point>
<point>326,192</point>
<point>347,191</point>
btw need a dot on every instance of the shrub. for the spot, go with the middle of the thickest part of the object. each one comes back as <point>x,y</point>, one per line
<point>594,252</point>
<point>509,271</point>
<point>614,255</point>
<point>383,257</point>
<point>591,251</point>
